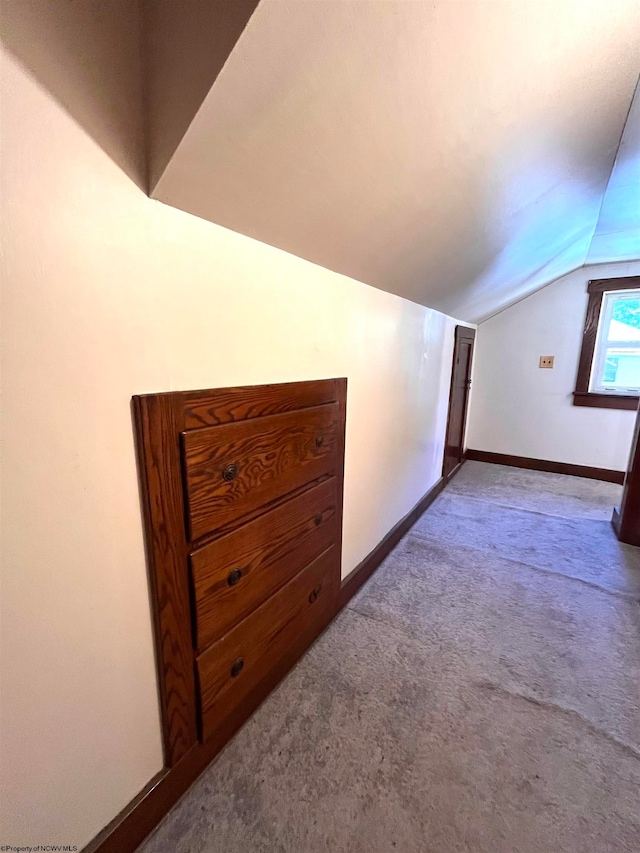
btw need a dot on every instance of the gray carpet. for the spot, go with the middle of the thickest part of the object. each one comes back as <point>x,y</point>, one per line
<point>481,694</point>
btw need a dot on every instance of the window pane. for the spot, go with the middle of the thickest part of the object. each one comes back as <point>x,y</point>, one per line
<point>616,363</point>
<point>625,319</point>
<point>621,368</point>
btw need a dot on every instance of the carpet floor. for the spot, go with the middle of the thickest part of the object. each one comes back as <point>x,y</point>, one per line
<point>481,693</point>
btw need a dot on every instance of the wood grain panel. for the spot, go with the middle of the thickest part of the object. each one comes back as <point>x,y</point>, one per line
<point>606,401</point>
<point>273,456</point>
<point>158,425</point>
<point>225,405</point>
<point>162,423</point>
<point>604,285</point>
<point>259,641</point>
<point>589,335</point>
<point>264,554</point>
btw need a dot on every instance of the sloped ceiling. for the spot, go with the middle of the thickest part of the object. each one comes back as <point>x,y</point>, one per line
<point>453,152</point>
<point>617,233</point>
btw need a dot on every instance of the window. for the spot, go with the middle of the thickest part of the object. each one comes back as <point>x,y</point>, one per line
<point>609,368</point>
<point>616,363</point>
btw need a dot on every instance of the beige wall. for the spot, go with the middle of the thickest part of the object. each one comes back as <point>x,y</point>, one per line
<point>518,408</point>
<point>108,294</point>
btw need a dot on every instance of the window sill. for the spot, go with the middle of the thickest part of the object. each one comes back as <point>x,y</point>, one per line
<point>606,401</point>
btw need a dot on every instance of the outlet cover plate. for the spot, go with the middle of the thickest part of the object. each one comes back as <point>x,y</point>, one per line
<point>547,361</point>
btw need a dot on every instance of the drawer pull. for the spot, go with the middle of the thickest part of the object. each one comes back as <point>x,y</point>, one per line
<point>236,669</point>
<point>314,594</point>
<point>234,577</point>
<point>318,519</point>
<point>230,471</point>
<point>319,441</point>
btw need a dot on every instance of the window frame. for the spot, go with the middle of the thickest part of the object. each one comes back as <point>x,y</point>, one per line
<point>582,396</point>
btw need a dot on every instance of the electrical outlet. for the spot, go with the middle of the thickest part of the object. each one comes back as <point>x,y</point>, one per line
<point>546,361</point>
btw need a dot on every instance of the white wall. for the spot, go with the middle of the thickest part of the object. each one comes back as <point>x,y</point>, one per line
<point>520,409</point>
<point>108,294</point>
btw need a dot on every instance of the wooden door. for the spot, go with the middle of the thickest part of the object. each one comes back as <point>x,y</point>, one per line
<point>626,519</point>
<point>458,399</point>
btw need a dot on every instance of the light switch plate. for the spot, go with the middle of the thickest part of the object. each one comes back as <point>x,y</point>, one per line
<point>546,361</point>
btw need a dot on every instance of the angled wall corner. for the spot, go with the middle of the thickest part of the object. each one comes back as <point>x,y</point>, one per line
<point>87,55</point>
<point>185,48</point>
<point>353,136</point>
<point>617,232</point>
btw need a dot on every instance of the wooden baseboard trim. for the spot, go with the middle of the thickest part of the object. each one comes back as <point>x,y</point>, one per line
<point>363,571</point>
<point>608,475</point>
<point>138,819</point>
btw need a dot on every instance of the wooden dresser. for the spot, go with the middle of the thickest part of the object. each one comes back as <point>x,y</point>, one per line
<point>242,500</point>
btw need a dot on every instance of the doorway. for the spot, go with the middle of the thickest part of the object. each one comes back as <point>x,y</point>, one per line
<point>458,400</point>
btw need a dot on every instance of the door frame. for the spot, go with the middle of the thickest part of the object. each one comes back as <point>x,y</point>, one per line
<point>468,334</point>
<point>626,517</point>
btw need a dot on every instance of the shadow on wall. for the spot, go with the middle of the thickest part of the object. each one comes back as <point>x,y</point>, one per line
<point>88,55</point>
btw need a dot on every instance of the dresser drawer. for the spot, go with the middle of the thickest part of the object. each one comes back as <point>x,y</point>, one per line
<point>237,572</point>
<point>235,468</point>
<point>235,665</point>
